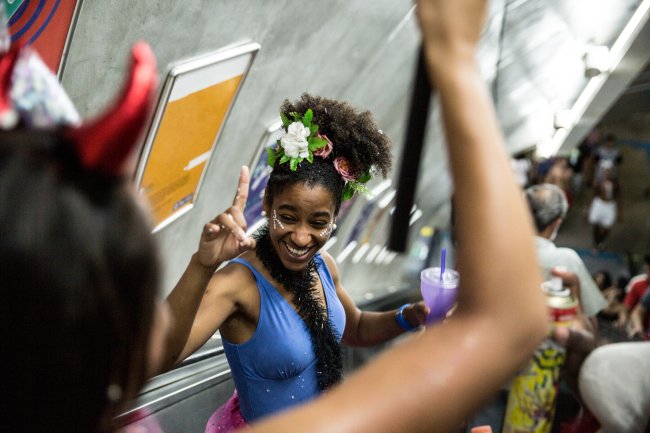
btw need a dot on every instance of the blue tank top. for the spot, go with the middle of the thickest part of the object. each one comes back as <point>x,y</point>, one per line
<point>276,368</point>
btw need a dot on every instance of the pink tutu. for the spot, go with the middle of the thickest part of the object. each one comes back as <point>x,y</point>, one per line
<point>227,418</point>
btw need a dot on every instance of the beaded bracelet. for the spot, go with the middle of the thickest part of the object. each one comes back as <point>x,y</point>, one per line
<point>401,320</point>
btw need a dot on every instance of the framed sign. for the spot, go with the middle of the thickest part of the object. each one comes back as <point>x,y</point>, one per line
<point>260,172</point>
<point>46,25</point>
<point>193,107</point>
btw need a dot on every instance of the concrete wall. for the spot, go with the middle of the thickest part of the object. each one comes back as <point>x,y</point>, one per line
<point>360,51</point>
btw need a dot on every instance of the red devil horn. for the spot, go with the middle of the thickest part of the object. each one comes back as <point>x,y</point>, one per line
<point>8,116</point>
<point>104,143</point>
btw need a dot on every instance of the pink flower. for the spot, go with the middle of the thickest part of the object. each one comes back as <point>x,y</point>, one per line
<point>324,151</point>
<point>343,167</point>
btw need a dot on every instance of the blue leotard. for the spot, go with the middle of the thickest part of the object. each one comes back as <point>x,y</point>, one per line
<point>276,368</point>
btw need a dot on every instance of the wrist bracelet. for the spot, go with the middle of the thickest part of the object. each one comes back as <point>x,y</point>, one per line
<point>401,320</point>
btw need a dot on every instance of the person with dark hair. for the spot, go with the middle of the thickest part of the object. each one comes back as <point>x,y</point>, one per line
<point>606,206</point>
<point>560,174</point>
<point>603,279</point>
<point>78,321</point>
<point>607,156</point>
<point>584,167</point>
<point>613,293</point>
<point>451,369</point>
<point>327,154</point>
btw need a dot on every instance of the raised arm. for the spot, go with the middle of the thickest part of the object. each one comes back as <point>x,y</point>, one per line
<point>222,238</point>
<point>430,384</point>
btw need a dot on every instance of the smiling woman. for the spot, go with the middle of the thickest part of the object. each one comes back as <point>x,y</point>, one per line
<point>281,288</point>
<point>302,221</point>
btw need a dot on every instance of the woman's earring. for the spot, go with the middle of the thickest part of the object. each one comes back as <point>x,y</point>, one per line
<point>276,222</point>
<point>263,213</point>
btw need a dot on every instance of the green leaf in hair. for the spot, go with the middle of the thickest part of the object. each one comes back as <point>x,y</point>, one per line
<point>270,156</point>
<point>285,120</point>
<point>306,119</point>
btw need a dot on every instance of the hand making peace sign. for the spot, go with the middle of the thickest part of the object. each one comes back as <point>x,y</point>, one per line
<point>224,237</point>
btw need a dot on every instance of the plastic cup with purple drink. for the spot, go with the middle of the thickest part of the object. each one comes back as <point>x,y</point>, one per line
<point>439,293</point>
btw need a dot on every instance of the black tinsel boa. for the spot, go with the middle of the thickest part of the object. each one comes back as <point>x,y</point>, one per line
<point>302,285</point>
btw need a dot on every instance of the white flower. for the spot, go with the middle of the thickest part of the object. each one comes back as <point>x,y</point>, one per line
<point>294,142</point>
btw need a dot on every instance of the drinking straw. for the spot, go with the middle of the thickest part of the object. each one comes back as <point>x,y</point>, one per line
<point>443,255</point>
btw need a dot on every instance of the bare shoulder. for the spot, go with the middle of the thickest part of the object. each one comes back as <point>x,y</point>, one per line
<point>234,281</point>
<point>331,264</point>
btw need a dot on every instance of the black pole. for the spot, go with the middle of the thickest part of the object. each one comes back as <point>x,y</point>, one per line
<point>408,174</point>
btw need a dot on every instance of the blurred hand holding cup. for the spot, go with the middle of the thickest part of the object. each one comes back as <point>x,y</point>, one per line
<point>438,293</point>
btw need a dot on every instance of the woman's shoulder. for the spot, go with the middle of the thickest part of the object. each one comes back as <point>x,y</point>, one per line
<point>329,262</point>
<point>235,276</point>
<point>324,257</point>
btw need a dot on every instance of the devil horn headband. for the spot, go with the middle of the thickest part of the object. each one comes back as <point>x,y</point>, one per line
<point>104,143</point>
<point>29,91</point>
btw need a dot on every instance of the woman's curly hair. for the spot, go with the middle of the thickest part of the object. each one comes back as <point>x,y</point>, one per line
<point>354,135</point>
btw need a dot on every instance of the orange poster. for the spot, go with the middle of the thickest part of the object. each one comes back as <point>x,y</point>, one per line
<point>196,99</point>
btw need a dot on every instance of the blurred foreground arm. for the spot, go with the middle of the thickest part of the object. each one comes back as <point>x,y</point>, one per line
<point>433,382</point>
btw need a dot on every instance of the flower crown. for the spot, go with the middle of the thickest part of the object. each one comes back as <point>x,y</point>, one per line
<point>302,141</point>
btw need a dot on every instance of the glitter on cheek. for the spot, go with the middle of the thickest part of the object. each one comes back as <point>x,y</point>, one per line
<point>276,221</point>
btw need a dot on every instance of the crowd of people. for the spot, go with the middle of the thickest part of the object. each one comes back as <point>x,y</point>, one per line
<point>616,306</point>
<point>594,167</point>
<point>83,328</point>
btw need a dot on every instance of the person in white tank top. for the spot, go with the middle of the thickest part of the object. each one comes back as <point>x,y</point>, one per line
<point>606,207</point>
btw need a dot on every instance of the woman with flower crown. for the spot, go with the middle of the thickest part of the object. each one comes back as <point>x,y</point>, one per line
<point>281,308</point>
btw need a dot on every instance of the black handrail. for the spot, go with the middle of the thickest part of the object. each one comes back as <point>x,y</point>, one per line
<point>408,174</point>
